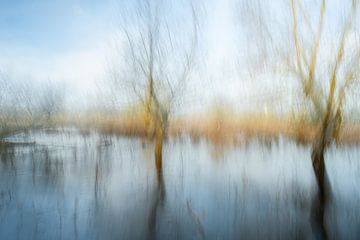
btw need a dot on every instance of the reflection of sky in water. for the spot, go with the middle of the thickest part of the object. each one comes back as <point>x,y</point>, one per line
<point>49,191</point>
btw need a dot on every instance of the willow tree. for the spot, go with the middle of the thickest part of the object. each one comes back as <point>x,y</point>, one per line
<point>327,102</point>
<point>160,40</point>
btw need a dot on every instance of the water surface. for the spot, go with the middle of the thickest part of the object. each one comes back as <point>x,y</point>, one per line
<point>72,185</point>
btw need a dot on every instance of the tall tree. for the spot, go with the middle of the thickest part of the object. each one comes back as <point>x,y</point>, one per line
<point>161,45</point>
<point>328,105</point>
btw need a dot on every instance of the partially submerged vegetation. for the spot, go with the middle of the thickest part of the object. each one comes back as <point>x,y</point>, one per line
<point>157,62</point>
<point>230,128</point>
<point>328,106</point>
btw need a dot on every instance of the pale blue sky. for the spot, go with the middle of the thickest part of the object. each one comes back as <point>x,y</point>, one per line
<point>53,26</point>
<point>62,40</point>
<point>69,40</point>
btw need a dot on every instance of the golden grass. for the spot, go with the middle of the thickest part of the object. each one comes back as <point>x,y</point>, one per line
<point>219,127</point>
<point>240,129</point>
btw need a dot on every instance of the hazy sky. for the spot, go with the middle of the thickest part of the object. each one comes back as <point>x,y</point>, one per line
<point>70,41</point>
<point>53,27</point>
<point>64,40</point>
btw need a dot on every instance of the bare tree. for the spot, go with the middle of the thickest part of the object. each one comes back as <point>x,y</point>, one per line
<point>4,85</point>
<point>51,100</point>
<point>160,55</point>
<point>328,106</point>
<point>324,81</point>
<point>14,104</point>
<point>259,29</point>
<point>25,103</point>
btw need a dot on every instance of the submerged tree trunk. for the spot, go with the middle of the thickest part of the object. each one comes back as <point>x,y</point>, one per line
<point>159,192</point>
<point>320,202</point>
<point>318,162</point>
<point>159,141</point>
<point>158,197</point>
<point>160,135</point>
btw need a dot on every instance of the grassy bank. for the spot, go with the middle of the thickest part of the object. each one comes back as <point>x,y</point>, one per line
<point>217,127</point>
<point>220,129</point>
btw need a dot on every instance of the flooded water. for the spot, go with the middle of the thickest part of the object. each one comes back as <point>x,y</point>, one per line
<point>69,185</point>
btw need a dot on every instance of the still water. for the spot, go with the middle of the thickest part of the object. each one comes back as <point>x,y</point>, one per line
<point>71,185</point>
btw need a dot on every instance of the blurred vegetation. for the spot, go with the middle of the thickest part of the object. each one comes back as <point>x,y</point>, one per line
<point>26,105</point>
<point>157,63</point>
<point>158,60</point>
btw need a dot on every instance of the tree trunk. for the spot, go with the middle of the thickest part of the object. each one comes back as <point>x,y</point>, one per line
<point>158,197</point>
<point>319,203</point>
<point>159,140</point>
<point>324,188</point>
